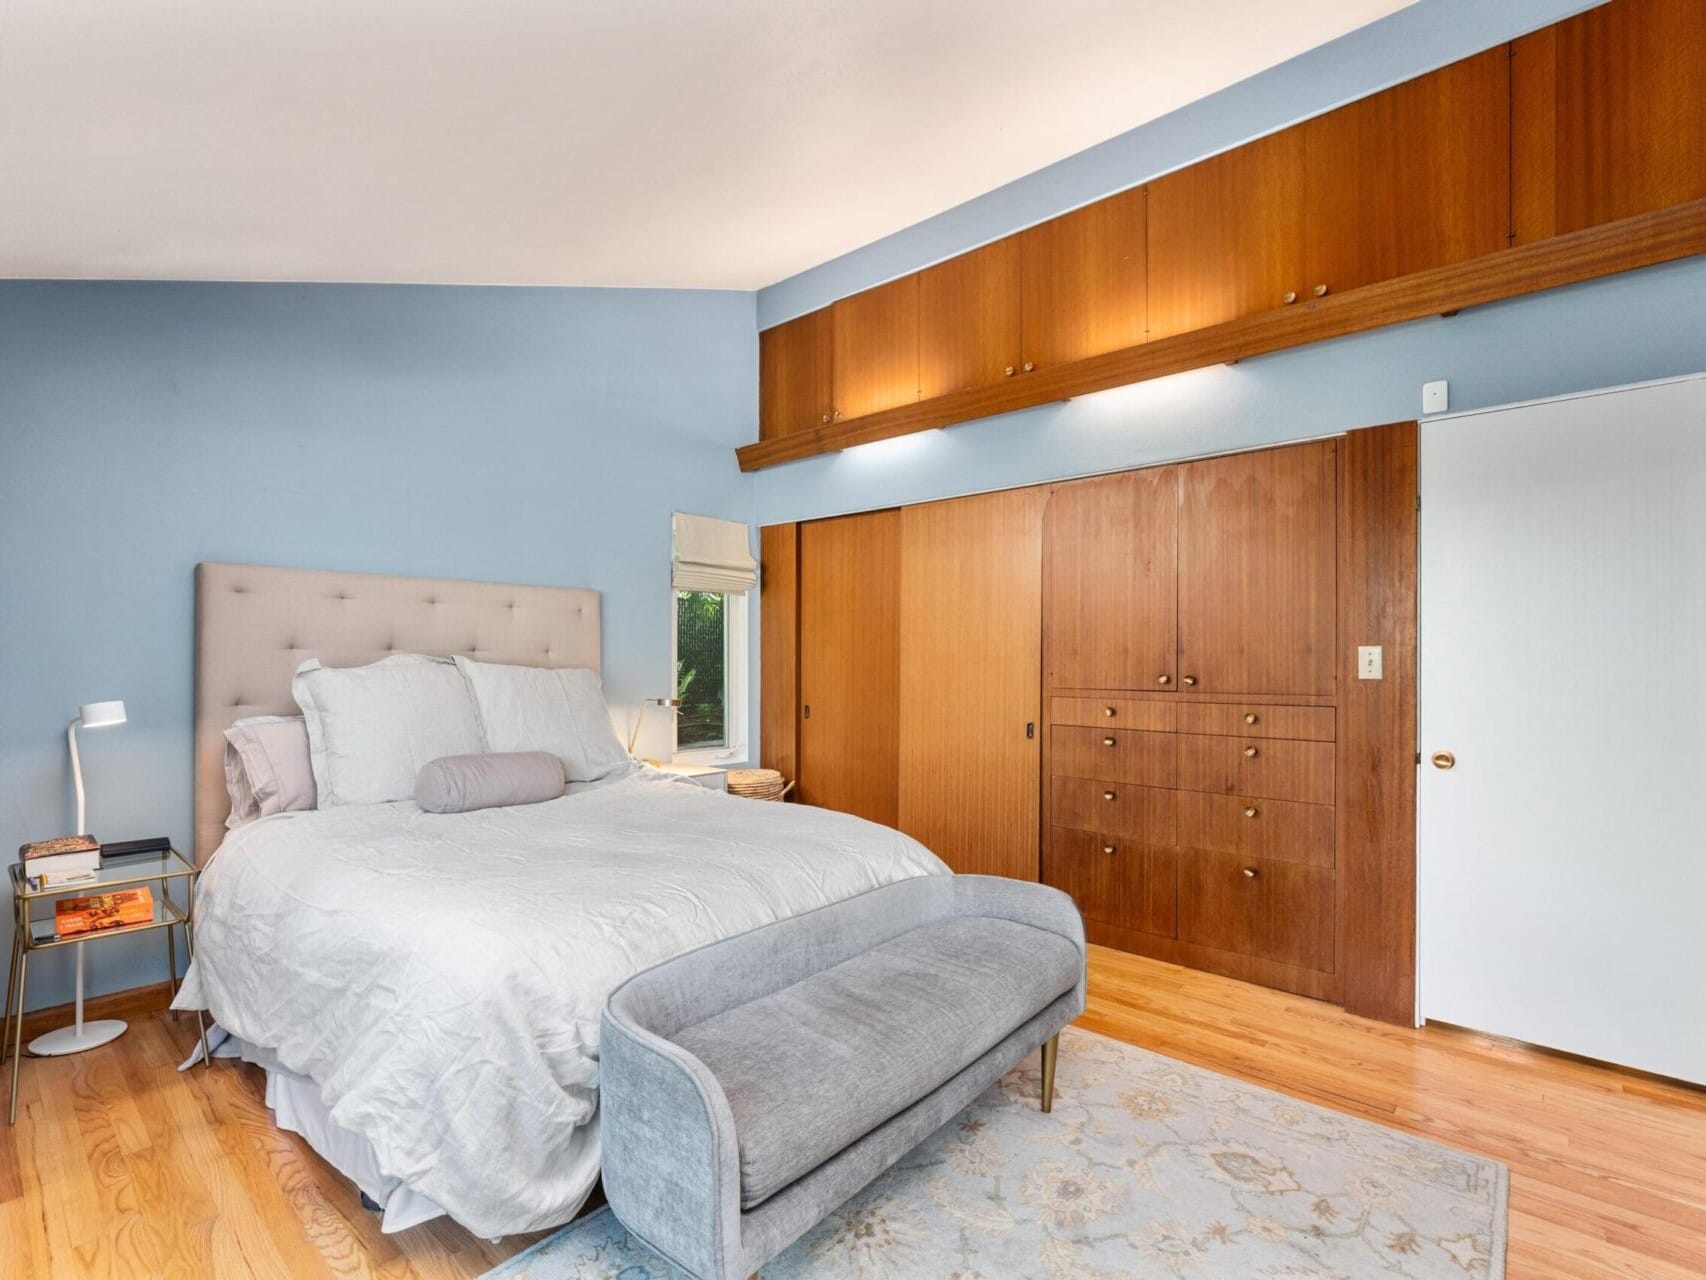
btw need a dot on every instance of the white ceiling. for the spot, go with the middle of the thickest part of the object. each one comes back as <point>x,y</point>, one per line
<point>717,143</point>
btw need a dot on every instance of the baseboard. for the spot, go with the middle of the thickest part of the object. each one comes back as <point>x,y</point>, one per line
<point>131,1002</point>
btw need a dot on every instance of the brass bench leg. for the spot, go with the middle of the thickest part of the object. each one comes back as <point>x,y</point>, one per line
<point>1051,1051</point>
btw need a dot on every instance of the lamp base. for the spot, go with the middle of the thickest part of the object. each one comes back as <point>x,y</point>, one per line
<point>66,1040</point>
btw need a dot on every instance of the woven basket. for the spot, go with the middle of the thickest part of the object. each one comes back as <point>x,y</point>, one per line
<point>758,784</point>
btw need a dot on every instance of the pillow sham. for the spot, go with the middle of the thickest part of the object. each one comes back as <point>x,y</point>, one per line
<point>267,769</point>
<point>458,784</point>
<point>555,709</point>
<point>372,728</point>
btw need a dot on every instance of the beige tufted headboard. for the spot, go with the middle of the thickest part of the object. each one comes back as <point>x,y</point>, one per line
<point>254,625</point>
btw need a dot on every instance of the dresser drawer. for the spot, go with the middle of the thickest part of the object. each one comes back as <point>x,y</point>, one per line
<point>1253,720</point>
<point>1113,755</point>
<point>1268,768</point>
<point>1255,827</point>
<point>1280,911</point>
<point>1114,713</point>
<point>1114,808</point>
<point>1133,885</point>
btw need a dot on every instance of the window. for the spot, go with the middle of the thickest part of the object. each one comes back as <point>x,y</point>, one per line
<point>710,675</point>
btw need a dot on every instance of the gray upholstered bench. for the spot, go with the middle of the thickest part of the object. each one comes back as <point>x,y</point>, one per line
<point>750,1087</point>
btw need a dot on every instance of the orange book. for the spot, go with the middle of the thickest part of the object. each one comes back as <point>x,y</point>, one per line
<point>72,916</point>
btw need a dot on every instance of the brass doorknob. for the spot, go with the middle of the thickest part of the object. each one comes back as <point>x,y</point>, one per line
<point>1163,679</point>
<point>1289,297</point>
<point>1320,291</point>
<point>1107,795</point>
<point>1250,751</point>
<point>1249,873</point>
<point>1108,848</point>
<point>1443,759</point>
<point>1007,372</point>
<point>1250,717</point>
<point>1030,366</point>
<point>1108,742</point>
<point>1250,811</point>
<point>1190,680</point>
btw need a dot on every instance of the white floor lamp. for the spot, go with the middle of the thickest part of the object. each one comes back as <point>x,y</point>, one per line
<point>82,1035</point>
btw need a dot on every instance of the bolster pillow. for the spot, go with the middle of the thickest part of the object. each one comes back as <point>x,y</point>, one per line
<point>456,784</point>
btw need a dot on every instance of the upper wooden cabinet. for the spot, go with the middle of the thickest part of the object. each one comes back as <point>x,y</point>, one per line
<point>1608,116</point>
<point>1258,571</point>
<point>968,320</point>
<point>1226,236</point>
<point>876,349</point>
<point>1412,178</point>
<point>795,385</point>
<point>1083,282</point>
<point>1109,584</point>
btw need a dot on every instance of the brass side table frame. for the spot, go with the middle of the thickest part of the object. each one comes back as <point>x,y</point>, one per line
<point>159,870</point>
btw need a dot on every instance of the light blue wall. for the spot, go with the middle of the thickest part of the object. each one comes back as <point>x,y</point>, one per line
<point>522,435</point>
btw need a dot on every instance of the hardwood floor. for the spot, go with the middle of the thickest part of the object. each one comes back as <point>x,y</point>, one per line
<point>120,1166</point>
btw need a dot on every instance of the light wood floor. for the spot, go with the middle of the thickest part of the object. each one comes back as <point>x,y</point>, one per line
<point>119,1166</point>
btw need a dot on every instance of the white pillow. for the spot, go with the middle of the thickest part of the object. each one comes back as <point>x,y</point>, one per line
<point>267,768</point>
<point>371,729</point>
<point>560,710</point>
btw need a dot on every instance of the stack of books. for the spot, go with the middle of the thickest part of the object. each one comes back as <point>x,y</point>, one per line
<point>75,916</point>
<point>57,863</point>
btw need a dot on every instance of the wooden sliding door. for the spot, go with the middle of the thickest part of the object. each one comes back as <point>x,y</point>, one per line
<point>970,661</point>
<point>849,600</point>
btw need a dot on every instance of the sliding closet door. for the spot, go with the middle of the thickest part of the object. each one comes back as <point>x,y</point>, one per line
<point>1560,876</point>
<point>849,601</point>
<point>970,670</point>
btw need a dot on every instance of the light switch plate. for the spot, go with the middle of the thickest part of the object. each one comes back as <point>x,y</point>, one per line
<point>1369,662</point>
<point>1436,396</point>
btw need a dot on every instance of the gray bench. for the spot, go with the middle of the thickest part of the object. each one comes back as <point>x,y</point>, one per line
<point>751,1086</point>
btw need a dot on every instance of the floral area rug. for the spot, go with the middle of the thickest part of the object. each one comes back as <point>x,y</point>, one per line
<point>1147,1167</point>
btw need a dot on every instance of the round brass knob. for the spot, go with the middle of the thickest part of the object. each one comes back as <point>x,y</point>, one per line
<point>1107,795</point>
<point>1108,848</point>
<point>1008,371</point>
<point>1190,680</point>
<point>1250,717</point>
<point>1249,873</point>
<point>1163,679</point>
<point>1030,366</point>
<point>1443,759</point>
<point>1320,291</point>
<point>1289,297</point>
<point>1108,742</point>
<point>1250,751</point>
<point>837,415</point>
<point>1108,711</point>
<point>825,418</point>
<point>1250,811</point>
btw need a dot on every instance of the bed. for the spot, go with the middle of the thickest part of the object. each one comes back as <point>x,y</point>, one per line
<point>423,990</point>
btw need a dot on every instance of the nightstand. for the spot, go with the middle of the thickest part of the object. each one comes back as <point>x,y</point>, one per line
<point>165,872</point>
<point>712,779</point>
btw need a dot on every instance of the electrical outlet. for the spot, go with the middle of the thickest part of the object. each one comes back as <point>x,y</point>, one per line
<point>1369,662</point>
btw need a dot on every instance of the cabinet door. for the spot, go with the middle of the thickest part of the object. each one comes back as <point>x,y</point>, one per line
<point>1608,116</point>
<point>849,660</point>
<point>1226,235</point>
<point>795,391</point>
<point>875,361</point>
<point>970,667</point>
<point>1135,886</point>
<point>1378,207</point>
<point>1280,911</point>
<point>1084,287</point>
<point>1109,548</point>
<point>1257,571</point>
<point>968,320</point>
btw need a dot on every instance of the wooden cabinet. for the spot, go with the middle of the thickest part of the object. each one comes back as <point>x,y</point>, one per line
<point>1415,177</point>
<point>1226,235</point>
<point>1119,755</point>
<point>968,320</point>
<point>795,384</point>
<point>849,660</point>
<point>875,360</point>
<point>1134,886</point>
<point>970,629</point>
<point>1109,582</point>
<point>1608,116</point>
<point>1277,911</point>
<point>1257,541</point>
<point>1084,282</point>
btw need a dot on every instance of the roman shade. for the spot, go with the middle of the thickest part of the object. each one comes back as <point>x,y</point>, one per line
<point>712,555</point>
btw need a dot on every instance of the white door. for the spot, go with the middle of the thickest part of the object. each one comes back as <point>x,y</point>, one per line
<point>1561,863</point>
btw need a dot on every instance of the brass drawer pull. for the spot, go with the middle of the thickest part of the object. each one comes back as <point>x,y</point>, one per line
<point>1108,848</point>
<point>1108,711</point>
<point>1190,680</point>
<point>1007,372</point>
<point>1110,742</point>
<point>1109,795</point>
<point>1030,366</point>
<point>1289,297</point>
<point>1250,811</point>
<point>1163,679</point>
<point>1250,717</point>
<point>1320,291</point>
<point>1250,751</point>
<point>1249,873</point>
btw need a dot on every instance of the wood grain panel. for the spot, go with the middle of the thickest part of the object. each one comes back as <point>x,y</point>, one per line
<point>875,360</point>
<point>1157,715</point>
<point>970,657</point>
<point>1257,535</point>
<point>1415,177</point>
<point>1257,720</point>
<point>1273,768</point>
<point>779,648</point>
<point>1253,827</point>
<point>1609,116</point>
<point>1283,912</point>
<point>1145,814</point>
<point>1109,587</point>
<point>968,320</point>
<point>1084,281</point>
<point>1226,235</point>
<point>796,389</point>
<point>1377,723</point>
<point>850,665</point>
<point>1113,755</point>
<point>1134,885</point>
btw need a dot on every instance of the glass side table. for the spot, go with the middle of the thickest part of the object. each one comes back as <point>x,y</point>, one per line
<point>165,872</point>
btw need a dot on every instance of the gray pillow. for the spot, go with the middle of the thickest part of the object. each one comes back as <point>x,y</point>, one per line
<point>267,770</point>
<point>456,784</point>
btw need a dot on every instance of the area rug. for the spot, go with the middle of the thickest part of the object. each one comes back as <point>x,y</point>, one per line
<point>1147,1167</point>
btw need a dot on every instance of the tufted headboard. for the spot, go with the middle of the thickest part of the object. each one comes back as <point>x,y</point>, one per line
<point>254,625</point>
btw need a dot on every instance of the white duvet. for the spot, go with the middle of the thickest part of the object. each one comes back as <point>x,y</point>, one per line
<point>441,976</point>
